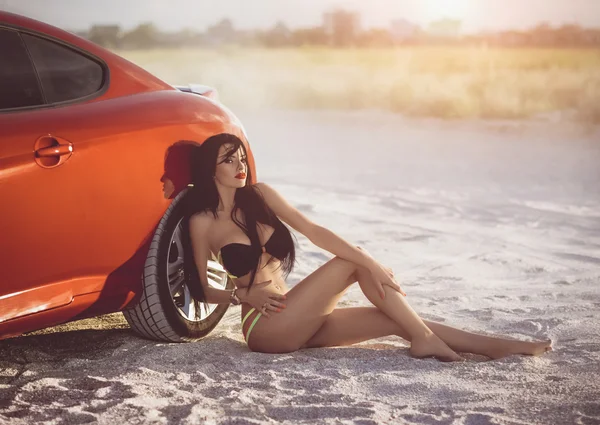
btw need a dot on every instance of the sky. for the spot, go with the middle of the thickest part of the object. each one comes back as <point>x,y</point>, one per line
<point>173,15</point>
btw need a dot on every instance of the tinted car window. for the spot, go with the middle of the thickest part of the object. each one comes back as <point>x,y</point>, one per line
<point>19,86</point>
<point>65,74</point>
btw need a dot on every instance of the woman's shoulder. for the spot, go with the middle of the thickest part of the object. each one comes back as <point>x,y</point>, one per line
<point>202,219</point>
<point>267,191</point>
<point>261,186</point>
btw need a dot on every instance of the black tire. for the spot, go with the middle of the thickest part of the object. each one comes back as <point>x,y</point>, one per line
<point>161,314</point>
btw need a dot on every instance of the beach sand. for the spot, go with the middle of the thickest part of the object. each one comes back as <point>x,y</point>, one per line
<point>489,227</point>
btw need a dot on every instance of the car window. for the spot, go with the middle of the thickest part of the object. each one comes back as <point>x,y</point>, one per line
<point>65,74</point>
<point>19,86</point>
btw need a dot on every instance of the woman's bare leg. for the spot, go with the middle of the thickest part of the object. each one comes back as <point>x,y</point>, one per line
<point>315,297</point>
<point>424,342</point>
<point>491,346</point>
<point>346,326</point>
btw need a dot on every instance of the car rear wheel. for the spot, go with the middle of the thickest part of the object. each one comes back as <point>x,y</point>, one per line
<point>167,311</point>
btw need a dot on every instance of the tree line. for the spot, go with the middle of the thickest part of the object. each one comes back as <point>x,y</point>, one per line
<point>340,34</point>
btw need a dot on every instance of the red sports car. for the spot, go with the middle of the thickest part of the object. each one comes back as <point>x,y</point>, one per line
<point>84,227</point>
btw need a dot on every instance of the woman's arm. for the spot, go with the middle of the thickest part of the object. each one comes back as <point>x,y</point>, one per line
<point>326,239</point>
<point>199,227</point>
<point>319,235</point>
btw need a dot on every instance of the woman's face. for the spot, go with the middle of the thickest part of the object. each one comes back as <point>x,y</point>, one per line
<point>233,171</point>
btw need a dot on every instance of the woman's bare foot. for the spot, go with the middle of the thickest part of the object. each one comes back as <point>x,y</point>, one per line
<point>528,348</point>
<point>432,346</point>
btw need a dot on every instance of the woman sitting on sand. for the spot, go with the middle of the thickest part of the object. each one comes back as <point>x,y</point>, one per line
<point>243,223</point>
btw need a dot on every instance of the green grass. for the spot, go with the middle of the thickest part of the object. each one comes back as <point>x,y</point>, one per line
<point>422,81</point>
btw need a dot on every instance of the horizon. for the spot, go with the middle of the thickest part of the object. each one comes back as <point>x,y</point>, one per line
<point>476,16</point>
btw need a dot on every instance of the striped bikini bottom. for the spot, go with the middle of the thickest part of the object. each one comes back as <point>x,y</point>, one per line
<point>247,337</point>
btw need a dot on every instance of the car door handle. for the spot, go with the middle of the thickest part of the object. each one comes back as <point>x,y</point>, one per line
<point>51,151</point>
<point>58,150</point>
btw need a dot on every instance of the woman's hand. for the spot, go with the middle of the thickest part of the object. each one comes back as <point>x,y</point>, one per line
<point>382,275</point>
<point>263,299</point>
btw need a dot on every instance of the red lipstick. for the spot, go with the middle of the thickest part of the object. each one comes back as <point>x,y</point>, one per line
<point>240,176</point>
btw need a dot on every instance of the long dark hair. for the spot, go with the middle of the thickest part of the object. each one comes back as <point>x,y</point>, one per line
<point>204,196</point>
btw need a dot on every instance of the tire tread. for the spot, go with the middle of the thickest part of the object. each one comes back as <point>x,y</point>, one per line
<point>147,317</point>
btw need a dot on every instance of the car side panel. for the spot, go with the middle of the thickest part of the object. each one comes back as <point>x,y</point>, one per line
<point>51,317</point>
<point>107,205</point>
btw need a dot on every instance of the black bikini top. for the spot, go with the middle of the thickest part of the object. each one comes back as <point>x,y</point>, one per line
<point>240,259</point>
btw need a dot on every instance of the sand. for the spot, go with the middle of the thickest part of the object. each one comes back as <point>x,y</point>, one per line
<point>490,227</point>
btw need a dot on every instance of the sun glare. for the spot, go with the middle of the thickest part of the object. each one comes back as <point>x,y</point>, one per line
<point>456,9</point>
